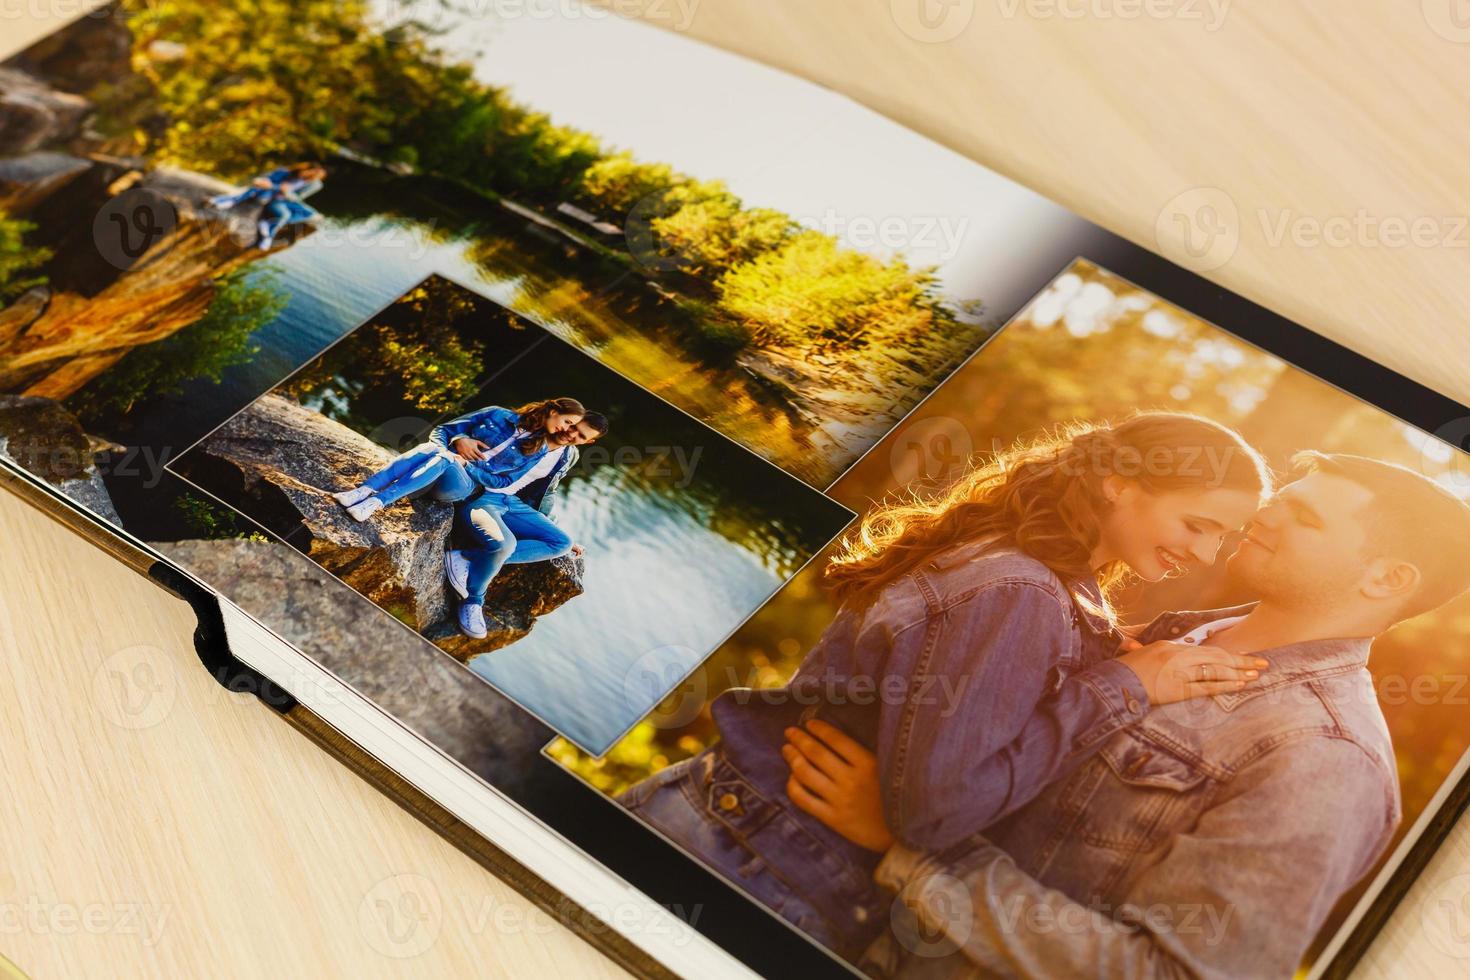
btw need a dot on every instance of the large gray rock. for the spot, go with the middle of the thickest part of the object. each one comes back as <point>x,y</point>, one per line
<point>279,462</point>
<point>35,115</point>
<point>47,441</point>
<point>26,181</point>
<point>380,659</point>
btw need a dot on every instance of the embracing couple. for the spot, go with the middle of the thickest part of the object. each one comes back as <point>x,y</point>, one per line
<point>501,466</point>
<point>977,731</point>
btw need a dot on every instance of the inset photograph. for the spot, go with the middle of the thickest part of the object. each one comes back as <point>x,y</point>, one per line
<point>571,537</point>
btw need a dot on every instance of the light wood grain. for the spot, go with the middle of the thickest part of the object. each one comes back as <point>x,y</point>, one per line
<point>261,854</point>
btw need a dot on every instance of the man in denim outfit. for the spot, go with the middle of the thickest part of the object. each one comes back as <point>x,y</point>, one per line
<point>1214,837</point>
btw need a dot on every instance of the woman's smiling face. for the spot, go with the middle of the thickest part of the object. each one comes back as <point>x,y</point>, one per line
<point>559,422</point>
<point>1161,535</point>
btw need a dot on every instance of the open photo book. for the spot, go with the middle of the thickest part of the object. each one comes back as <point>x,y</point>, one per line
<point>772,541</point>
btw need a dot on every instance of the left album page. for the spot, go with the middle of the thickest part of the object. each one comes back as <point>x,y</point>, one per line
<point>499,364</point>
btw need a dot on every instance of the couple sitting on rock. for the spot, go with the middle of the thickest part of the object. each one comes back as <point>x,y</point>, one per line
<point>281,194</point>
<point>502,467</point>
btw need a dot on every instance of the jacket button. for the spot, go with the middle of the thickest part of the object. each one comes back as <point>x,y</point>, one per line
<point>860,914</point>
<point>729,801</point>
<point>1133,704</point>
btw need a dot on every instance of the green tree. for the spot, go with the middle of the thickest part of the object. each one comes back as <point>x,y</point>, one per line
<point>18,261</point>
<point>708,226</point>
<point>413,355</point>
<point>812,292</point>
<point>205,349</point>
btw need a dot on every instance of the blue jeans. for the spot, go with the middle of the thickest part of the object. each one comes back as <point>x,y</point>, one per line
<point>714,811</point>
<point>507,530</point>
<point>280,213</point>
<point>248,194</point>
<point>421,468</point>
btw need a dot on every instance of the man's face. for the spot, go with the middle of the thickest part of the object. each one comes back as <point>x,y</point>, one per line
<point>1308,544</point>
<point>578,435</point>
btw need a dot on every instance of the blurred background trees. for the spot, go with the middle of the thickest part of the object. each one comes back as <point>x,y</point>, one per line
<point>237,87</point>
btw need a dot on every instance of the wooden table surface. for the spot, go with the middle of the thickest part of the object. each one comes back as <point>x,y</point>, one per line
<point>155,825</point>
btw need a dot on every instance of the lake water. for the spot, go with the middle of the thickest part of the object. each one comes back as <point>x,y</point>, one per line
<point>668,575</point>
<point>381,235</point>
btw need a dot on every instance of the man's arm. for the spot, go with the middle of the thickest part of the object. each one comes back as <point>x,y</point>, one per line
<point>445,433</point>
<point>1242,893</point>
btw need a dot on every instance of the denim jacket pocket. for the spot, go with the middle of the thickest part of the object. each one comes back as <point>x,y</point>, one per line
<point>1141,792</point>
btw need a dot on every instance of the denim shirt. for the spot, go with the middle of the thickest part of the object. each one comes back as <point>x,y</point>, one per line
<point>976,679</point>
<point>492,426</point>
<point>1212,839</point>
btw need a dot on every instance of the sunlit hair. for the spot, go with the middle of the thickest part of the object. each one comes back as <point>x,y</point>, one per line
<point>1411,518</point>
<point>534,416</point>
<point>1046,499</point>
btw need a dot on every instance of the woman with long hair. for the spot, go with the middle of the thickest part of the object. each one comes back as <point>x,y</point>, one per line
<point>490,448</point>
<point>975,652</point>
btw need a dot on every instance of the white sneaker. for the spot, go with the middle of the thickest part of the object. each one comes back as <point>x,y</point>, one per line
<point>354,496</point>
<point>457,570</point>
<point>366,509</point>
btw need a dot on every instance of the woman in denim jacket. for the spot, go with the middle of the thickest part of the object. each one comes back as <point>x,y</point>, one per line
<point>974,652</point>
<point>491,449</point>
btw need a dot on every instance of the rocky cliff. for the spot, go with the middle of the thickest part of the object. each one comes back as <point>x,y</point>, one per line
<point>137,255</point>
<point>44,439</point>
<point>279,462</point>
<point>444,703</point>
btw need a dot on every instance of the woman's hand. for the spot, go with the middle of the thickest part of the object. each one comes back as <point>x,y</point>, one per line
<point>471,449</point>
<point>836,780</point>
<point>1173,671</point>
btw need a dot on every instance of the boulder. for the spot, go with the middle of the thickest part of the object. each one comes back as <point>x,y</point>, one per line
<point>26,181</point>
<point>107,301</point>
<point>34,115</point>
<point>379,659</point>
<point>47,441</point>
<point>279,463</point>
